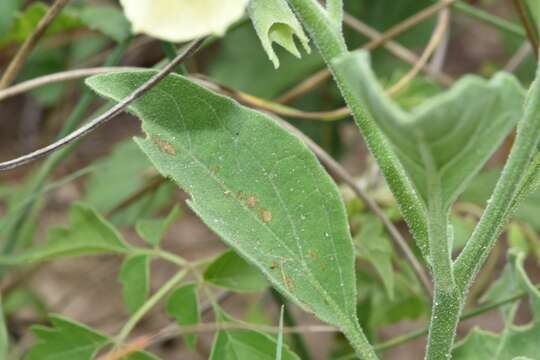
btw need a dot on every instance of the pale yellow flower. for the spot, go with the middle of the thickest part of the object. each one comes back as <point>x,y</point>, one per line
<point>182,20</point>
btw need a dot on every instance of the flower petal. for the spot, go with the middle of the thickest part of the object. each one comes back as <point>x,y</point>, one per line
<point>182,20</point>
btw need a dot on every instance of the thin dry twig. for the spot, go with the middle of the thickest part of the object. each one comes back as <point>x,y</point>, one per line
<point>75,74</point>
<point>102,119</point>
<point>409,23</point>
<point>26,48</point>
<point>517,59</point>
<point>435,40</point>
<point>378,39</point>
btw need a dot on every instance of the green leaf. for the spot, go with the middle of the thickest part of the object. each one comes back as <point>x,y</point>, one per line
<point>27,21</point>
<point>246,345</point>
<point>254,184</point>
<point>118,177</point>
<point>462,228</point>
<point>69,340</point>
<point>440,145</point>
<point>88,234</point>
<point>482,186</point>
<point>183,306</point>
<point>135,277</point>
<point>25,299</point>
<point>8,10</point>
<point>153,230</point>
<point>517,240</point>
<point>275,22</point>
<point>231,272</point>
<point>375,247</point>
<point>500,289</point>
<point>107,20</point>
<point>443,139</point>
<point>65,340</point>
<point>515,341</point>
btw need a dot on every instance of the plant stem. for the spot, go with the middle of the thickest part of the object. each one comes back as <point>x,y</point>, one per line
<point>447,300</point>
<point>401,339</point>
<point>149,304</point>
<point>507,189</point>
<point>447,306</point>
<point>290,321</point>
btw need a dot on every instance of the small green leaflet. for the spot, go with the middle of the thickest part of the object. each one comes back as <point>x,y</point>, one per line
<point>183,305</point>
<point>119,176</point>
<point>26,21</point>
<point>231,272</point>
<point>68,340</point>
<point>153,230</point>
<point>275,22</point>
<point>65,340</point>
<point>135,278</point>
<point>374,246</point>
<point>87,234</point>
<point>8,10</point>
<point>108,20</point>
<point>515,341</point>
<point>254,184</point>
<point>247,345</point>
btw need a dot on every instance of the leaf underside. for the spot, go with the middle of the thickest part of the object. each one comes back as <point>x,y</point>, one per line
<point>456,131</point>
<point>254,184</point>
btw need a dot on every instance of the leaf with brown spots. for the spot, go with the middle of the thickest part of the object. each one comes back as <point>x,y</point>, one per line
<point>285,207</point>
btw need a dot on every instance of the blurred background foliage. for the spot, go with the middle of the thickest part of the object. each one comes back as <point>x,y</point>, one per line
<point>108,172</point>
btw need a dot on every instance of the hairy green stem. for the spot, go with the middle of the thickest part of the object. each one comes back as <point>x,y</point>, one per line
<point>149,304</point>
<point>415,334</point>
<point>335,11</point>
<point>513,178</point>
<point>447,300</point>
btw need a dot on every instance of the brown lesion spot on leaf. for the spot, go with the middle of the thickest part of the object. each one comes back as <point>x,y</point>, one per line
<point>164,146</point>
<point>312,254</point>
<point>266,215</point>
<point>227,192</point>
<point>289,283</point>
<point>273,266</point>
<point>240,195</point>
<point>251,202</point>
